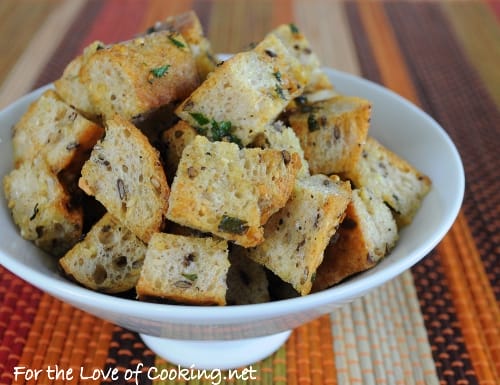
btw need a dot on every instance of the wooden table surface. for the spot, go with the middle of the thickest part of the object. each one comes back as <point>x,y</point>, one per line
<point>438,322</point>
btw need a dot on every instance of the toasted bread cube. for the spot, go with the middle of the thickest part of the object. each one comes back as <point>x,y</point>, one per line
<point>393,179</point>
<point>70,87</point>
<point>332,133</point>
<point>174,140</point>
<point>366,235</point>
<point>297,235</point>
<point>301,48</point>
<point>280,137</point>
<point>184,269</point>
<point>41,208</point>
<point>228,191</point>
<point>135,77</point>
<point>189,26</point>
<point>125,174</point>
<point>108,259</point>
<point>247,91</point>
<point>246,280</point>
<point>54,130</point>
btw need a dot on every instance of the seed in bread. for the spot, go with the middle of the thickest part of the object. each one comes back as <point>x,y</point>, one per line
<point>52,129</point>
<point>246,280</point>
<point>297,235</point>
<point>125,174</point>
<point>366,235</point>
<point>189,26</point>
<point>108,259</point>
<point>228,191</point>
<point>332,132</point>
<point>246,92</point>
<point>390,177</point>
<point>281,137</point>
<point>184,269</point>
<point>41,208</point>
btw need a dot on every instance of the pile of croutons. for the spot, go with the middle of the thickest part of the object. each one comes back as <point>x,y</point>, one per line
<point>153,168</point>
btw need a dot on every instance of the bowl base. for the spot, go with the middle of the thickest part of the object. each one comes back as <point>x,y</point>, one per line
<point>222,355</point>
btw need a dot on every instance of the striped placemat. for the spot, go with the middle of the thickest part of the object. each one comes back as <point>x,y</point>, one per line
<point>438,323</point>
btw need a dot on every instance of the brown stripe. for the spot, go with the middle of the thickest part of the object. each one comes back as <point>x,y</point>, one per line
<point>235,25</point>
<point>203,11</point>
<point>479,32</point>
<point>459,101</point>
<point>126,351</point>
<point>462,105</point>
<point>157,10</point>
<point>366,58</point>
<point>70,45</point>
<point>20,21</point>
<point>35,55</point>
<point>466,313</point>
<point>440,315</point>
<point>393,70</point>
<point>330,38</point>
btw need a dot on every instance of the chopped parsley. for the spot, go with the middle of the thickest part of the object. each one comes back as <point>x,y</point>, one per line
<point>293,28</point>
<point>191,277</point>
<point>176,42</point>
<point>217,131</point>
<point>233,225</point>
<point>200,118</point>
<point>158,72</point>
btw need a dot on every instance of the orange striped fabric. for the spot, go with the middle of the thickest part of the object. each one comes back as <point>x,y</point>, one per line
<point>438,323</point>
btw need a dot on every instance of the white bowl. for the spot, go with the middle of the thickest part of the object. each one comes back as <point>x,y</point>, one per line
<point>233,336</point>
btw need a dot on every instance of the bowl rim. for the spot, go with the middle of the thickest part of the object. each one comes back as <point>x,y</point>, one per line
<point>343,292</point>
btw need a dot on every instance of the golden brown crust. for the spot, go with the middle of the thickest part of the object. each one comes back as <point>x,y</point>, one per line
<point>41,208</point>
<point>248,90</point>
<point>332,132</point>
<point>52,129</point>
<point>230,192</point>
<point>297,235</point>
<point>392,179</point>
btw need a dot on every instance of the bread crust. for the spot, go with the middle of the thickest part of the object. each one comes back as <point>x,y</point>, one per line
<point>125,174</point>
<point>230,192</point>
<point>108,259</point>
<point>184,269</point>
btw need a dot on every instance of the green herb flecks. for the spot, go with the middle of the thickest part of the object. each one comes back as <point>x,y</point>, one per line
<point>158,72</point>
<point>213,130</point>
<point>176,42</point>
<point>191,277</point>
<point>293,28</point>
<point>233,225</point>
<point>200,118</point>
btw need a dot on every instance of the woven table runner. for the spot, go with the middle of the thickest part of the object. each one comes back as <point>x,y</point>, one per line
<point>438,323</point>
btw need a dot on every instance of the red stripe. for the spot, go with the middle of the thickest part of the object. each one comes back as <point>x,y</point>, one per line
<point>19,304</point>
<point>495,6</point>
<point>118,20</point>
